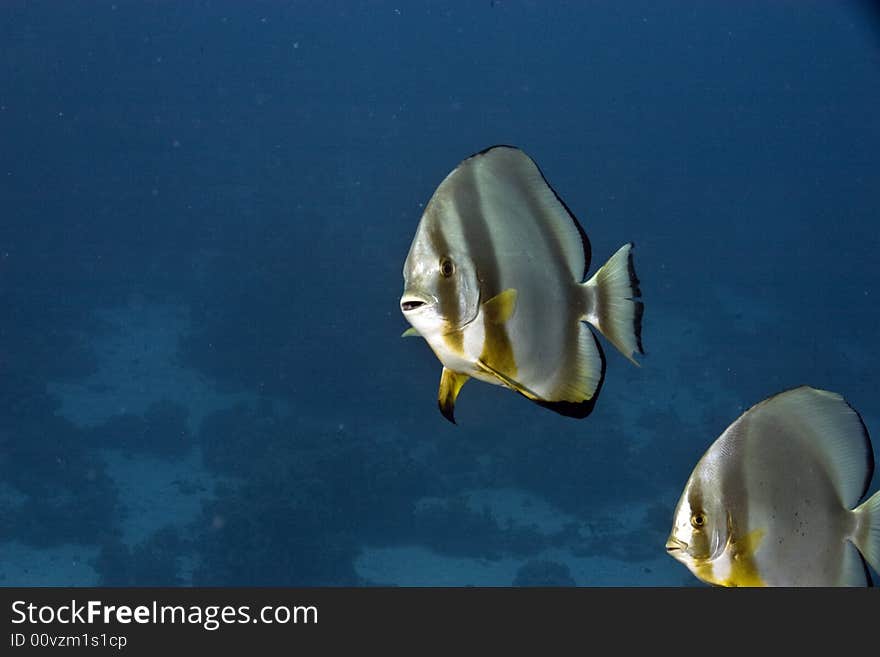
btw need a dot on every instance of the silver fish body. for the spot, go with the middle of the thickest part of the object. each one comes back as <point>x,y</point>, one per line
<point>774,500</point>
<point>494,282</point>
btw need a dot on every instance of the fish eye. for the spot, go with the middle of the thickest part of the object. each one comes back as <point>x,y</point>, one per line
<point>698,520</point>
<point>447,267</point>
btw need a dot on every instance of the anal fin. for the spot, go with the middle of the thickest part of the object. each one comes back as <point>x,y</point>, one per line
<point>577,394</point>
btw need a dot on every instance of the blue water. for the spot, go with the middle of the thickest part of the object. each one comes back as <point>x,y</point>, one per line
<point>205,212</point>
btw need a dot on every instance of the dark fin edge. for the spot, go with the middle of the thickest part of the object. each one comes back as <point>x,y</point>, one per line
<point>578,410</point>
<point>493,147</point>
<point>869,453</point>
<point>634,281</point>
<point>447,394</point>
<point>637,292</point>
<point>637,325</point>
<point>585,241</point>
<point>448,413</point>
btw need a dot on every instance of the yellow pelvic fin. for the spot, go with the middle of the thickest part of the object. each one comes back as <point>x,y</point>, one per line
<point>450,384</point>
<point>410,333</point>
<point>506,380</point>
<point>501,307</point>
<point>744,570</point>
<point>743,567</point>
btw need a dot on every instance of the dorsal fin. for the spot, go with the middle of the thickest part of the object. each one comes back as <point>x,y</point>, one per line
<point>511,173</point>
<point>826,424</point>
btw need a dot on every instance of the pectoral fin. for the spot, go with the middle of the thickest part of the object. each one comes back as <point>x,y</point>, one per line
<point>410,333</point>
<point>450,383</point>
<point>497,351</point>
<point>501,307</point>
<point>506,380</point>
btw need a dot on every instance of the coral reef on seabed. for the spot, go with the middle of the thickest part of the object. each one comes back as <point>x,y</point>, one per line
<point>162,431</point>
<point>64,493</point>
<point>543,573</point>
<point>153,562</point>
<point>301,502</point>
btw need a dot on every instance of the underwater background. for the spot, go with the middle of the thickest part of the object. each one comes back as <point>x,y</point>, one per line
<point>205,211</point>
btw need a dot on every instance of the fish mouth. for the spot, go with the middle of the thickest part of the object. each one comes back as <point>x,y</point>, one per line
<point>674,545</point>
<point>411,302</point>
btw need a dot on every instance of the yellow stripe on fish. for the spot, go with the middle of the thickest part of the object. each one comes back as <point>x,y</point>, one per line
<point>497,347</point>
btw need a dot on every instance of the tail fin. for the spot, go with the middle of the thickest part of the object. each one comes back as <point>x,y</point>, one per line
<point>867,537</point>
<point>615,309</point>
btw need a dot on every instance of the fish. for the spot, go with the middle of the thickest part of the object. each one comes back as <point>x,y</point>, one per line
<point>495,281</point>
<point>774,501</point>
